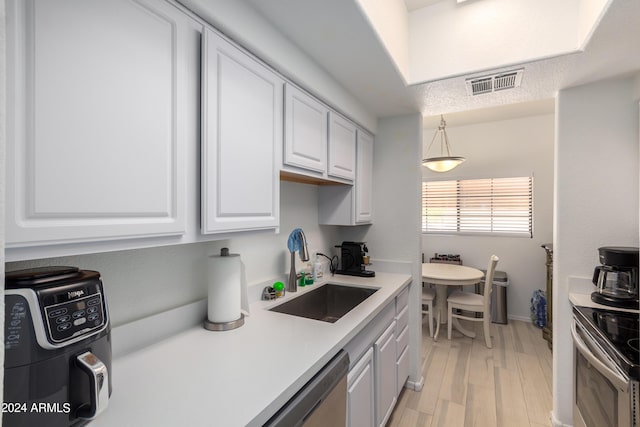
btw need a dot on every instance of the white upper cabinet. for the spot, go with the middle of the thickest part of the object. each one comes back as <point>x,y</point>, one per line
<point>96,108</point>
<point>364,179</point>
<point>318,142</point>
<point>305,142</point>
<point>346,204</point>
<point>242,120</point>
<point>342,147</point>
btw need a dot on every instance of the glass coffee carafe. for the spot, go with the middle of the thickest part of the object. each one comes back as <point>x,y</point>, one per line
<point>617,278</point>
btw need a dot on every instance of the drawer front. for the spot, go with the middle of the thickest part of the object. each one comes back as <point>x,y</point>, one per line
<point>402,300</point>
<point>402,340</point>
<point>402,319</point>
<point>402,367</point>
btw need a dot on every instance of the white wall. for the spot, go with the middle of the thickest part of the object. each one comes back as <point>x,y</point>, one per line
<point>590,14</point>
<point>396,182</point>
<point>139,283</point>
<point>390,20</point>
<point>242,23</point>
<point>396,211</point>
<point>448,39</point>
<point>596,200</point>
<point>395,233</point>
<point>507,148</point>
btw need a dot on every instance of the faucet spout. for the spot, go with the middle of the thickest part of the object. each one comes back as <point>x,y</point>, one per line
<point>297,241</point>
<point>304,250</point>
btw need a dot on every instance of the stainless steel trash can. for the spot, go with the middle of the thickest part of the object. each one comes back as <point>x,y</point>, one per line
<point>498,296</point>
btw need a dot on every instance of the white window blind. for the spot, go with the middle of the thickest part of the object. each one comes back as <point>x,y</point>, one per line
<point>487,206</point>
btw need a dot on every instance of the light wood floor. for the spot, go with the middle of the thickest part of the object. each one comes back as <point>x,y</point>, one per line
<point>467,384</point>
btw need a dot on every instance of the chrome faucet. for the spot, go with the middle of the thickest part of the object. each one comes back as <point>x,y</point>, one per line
<point>297,242</point>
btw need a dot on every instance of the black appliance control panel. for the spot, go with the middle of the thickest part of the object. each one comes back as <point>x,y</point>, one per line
<point>53,307</point>
<point>72,311</point>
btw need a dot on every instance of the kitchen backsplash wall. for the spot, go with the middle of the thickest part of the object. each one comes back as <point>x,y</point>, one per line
<point>142,282</point>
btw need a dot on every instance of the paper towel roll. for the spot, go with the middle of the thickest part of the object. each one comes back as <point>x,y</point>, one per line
<point>224,288</point>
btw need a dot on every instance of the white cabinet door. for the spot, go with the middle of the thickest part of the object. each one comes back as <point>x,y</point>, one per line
<point>305,142</point>
<point>350,205</point>
<point>360,395</point>
<point>342,147</point>
<point>386,381</point>
<point>402,366</point>
<point>97,111</point>
<point>364,179</point>
<point>242,115</point>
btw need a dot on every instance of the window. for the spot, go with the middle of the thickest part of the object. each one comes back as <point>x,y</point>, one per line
<point>494,206</point>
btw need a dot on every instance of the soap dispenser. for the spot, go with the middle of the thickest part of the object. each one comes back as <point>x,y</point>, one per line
<point>318,271</point>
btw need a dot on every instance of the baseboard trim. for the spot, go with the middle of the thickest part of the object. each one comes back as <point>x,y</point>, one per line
<point>556,423</point>
<point>416,386</point>
<point>521,318</point>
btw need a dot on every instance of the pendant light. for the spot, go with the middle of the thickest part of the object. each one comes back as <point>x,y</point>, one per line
<point>442,163</point>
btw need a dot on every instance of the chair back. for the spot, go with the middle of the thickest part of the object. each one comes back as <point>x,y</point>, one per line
<point>488,280</point>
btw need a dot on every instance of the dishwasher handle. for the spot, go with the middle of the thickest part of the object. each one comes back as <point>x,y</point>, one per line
<point>312,394</point>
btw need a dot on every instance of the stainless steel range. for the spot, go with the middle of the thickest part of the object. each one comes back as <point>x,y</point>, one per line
<point>606,367</point>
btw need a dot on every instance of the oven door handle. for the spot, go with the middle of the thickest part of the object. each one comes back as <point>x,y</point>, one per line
<point>618,381</point>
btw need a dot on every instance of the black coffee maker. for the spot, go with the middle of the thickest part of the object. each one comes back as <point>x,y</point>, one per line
<point>617,277</point>
<point>354,259</point>
<point>57,368</point>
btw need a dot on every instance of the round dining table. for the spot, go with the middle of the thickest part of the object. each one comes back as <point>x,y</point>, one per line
<point>444,275</point>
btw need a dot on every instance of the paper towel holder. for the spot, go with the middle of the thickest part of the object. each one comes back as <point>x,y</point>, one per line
<point>224,326</point>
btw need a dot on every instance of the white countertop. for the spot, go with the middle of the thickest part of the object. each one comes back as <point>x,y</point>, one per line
<point>239,377</point>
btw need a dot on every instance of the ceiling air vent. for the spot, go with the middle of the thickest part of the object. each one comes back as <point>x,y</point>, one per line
<point>494,82</point>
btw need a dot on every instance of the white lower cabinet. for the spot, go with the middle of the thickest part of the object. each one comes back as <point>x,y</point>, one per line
<point>402,338</point>
<point>360,393</point>
<point>381,365</point>
<point>384,351</point>
<point>402,367</point>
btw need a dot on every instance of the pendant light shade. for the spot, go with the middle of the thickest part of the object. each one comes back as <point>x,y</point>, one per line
<point>442,163</point>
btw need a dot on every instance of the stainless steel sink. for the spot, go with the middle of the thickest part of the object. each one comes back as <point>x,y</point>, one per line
<point>327,303</point>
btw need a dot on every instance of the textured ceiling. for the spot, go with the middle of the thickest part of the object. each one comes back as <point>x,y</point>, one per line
<point>483,115</point>
<point>337,36</point>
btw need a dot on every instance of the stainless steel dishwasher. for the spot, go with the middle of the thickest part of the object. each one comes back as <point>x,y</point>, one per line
<point>321,402</point>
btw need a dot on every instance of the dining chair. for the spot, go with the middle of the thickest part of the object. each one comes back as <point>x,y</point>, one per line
<point>428,296</point>
<point>475,303</point>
